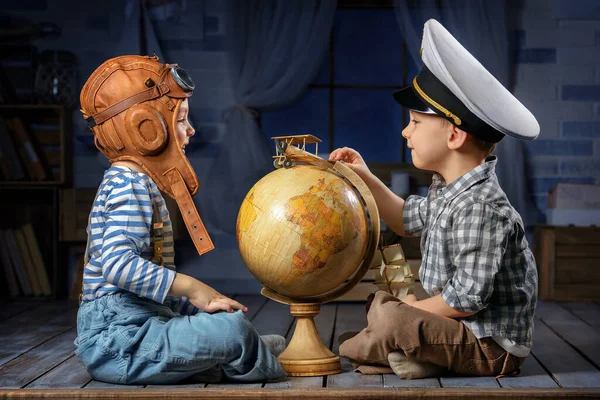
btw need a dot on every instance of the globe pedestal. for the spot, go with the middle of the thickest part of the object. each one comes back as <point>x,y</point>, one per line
<point>306,355</point>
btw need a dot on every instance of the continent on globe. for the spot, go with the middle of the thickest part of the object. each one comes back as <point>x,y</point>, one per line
<point>325,230</point>
<point>303,231</point>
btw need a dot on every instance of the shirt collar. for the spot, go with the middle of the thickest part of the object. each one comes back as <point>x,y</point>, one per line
<point>477,174</point>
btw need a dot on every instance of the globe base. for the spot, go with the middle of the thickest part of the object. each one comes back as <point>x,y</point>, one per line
<point>306,355</point>
<point>324,366</point>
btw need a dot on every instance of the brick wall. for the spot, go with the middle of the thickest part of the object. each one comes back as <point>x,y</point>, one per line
<point>96,31</point>
<point>558,79</point>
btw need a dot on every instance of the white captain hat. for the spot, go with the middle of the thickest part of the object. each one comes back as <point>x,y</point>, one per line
<point>454,85</point>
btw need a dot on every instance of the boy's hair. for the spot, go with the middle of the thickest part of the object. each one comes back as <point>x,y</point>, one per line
<point>481,144</point>
<point>484,146</point>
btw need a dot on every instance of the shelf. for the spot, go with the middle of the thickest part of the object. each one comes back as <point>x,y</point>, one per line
<point>36,147</point>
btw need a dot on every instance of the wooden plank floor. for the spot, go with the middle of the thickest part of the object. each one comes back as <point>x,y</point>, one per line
<point>37,359</point>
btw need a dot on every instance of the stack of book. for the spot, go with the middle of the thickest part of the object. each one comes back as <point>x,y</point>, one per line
<point>21,157</point>
<point>22,263</point>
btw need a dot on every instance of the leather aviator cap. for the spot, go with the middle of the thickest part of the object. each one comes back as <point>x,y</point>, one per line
<point>131,105</point>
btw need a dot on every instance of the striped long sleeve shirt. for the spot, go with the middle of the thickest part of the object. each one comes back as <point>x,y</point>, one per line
<point>121,240</point>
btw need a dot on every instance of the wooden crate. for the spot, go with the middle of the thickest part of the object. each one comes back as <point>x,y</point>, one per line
<point>568,262</point>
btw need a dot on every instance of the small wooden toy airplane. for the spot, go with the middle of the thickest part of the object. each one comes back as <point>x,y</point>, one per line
<point>283,142</point>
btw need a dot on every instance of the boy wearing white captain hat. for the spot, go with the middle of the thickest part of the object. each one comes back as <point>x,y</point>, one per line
<point>476,263</point>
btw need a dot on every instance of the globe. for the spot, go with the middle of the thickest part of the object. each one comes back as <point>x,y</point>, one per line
<point>302,231</point>
<point>307,232</point>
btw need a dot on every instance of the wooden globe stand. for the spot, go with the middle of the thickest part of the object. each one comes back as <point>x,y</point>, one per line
<point>306,355</point>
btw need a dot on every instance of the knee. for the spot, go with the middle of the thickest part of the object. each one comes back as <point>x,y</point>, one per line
<point>240,328</point>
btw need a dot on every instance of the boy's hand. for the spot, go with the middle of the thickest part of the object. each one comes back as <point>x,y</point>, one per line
<point>208,299</point>
<point>352,159</point>
<point>409,299</point>
<point>202,296</point>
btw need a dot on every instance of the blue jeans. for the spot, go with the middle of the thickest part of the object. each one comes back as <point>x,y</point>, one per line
<point>126,339</point>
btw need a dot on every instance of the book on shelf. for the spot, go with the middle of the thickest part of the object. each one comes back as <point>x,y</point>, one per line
<point>22,262</point>
<point>17,262</point>
<point>27,147</point>
<point>12,168</point>
<point>33,143</point>
<point>36,259</point>
<point>8,268</point>
<point>27,262</point>
<point>48,134</point>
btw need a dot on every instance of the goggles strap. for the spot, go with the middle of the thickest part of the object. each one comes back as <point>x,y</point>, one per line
<point>117,108</point>
<point>194,224</point>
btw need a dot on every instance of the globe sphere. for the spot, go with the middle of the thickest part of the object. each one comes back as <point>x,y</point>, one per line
<point>303,231</point>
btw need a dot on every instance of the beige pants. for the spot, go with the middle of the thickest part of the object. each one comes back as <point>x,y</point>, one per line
<point>394,325</point>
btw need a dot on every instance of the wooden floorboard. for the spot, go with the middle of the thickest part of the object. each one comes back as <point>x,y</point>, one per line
<point>10,308</point>
<point>70,374</point>
<point>394,381</point>
<point>589,313</point>
<point>351,317</point>
<point>25,331</point>
<point>105,385</point>
<point>581,336</point>
<point>37,353</point>
<point>304,394</point>
<point>469,382</point>
<point>26,368</point>
<point>532,375</point>
<point>567,366</point>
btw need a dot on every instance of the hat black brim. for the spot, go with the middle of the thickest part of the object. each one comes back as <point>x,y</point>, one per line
<point>407,98</point>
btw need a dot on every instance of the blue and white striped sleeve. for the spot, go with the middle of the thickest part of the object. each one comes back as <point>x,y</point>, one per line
<point>187,308</point>
<point>180,305</point>
<point>128,219</point>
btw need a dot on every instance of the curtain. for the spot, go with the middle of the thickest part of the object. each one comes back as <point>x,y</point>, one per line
<point>480,26</point>
<point>273,50</point>
<point>126,25</point>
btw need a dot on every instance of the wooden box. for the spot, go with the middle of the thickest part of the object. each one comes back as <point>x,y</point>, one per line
<point>568,262</point>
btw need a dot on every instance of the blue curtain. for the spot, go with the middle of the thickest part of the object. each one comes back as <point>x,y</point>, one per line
<point>480,26</point>
<point>126,24</point>
<point>274,50</point>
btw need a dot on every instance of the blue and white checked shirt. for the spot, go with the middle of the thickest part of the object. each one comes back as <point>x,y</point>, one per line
<point>474,252</point>
<point>121,241</point>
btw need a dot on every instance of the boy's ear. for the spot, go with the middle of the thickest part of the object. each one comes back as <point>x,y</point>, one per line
<point>456,137</point>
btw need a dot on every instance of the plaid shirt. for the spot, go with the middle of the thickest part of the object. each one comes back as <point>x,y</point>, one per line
<point>474,252</point>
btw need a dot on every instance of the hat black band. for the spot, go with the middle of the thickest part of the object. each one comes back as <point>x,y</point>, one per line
<point>433,92</point>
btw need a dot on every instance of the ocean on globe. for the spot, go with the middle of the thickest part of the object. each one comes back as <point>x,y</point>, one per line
<point>302,231</point>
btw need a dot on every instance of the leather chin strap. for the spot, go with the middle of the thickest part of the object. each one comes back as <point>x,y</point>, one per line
<point>190,215</point>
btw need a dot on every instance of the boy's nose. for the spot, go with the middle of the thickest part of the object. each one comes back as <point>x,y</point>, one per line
<point>405,133</point>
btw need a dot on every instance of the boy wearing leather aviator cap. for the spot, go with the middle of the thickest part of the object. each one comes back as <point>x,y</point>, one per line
<point>476,262</point>
<point>141,322</point>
